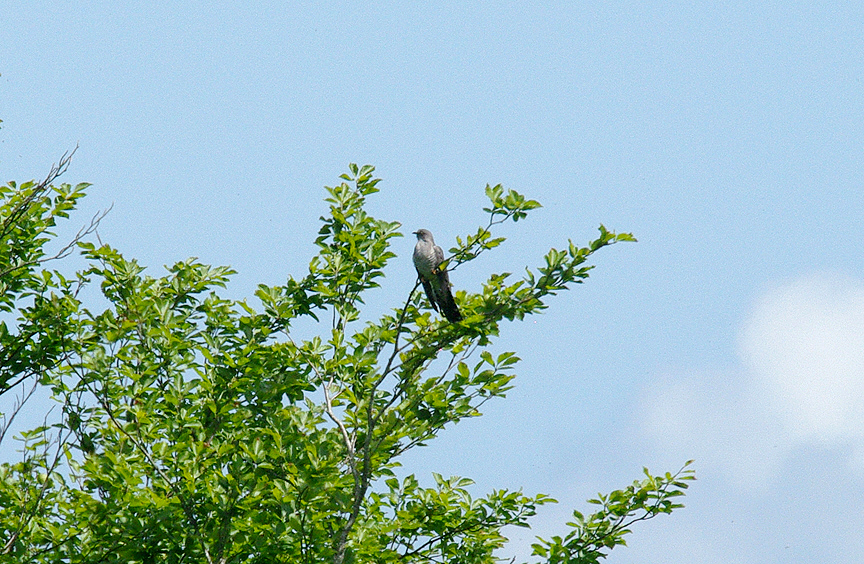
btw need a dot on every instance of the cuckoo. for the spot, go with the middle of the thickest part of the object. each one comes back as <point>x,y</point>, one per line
<point>427,259</point>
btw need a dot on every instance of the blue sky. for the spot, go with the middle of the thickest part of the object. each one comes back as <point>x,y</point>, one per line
<point>728,137</point>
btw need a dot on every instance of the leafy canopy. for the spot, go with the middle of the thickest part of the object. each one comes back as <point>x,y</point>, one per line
<point>200,429</point>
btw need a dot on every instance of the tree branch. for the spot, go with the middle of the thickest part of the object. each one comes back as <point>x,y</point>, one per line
<point>53,174</point>
<point>6,422</point>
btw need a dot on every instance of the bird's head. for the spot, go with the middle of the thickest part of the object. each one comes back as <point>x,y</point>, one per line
<point>423,235</point>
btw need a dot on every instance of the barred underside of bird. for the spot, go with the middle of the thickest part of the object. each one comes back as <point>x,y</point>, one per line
<point>427,258</point>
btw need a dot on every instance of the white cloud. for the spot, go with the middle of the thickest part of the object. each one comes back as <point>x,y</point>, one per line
<point>804,348</point>
<point>799,384</point>
<point>774,435</point>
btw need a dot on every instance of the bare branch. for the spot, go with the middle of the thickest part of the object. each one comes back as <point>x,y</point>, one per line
<point>56,170</point>
<point>465,254</point>
<point>328,407</point>
<point>399,325</point>
<point>6,422</point>
<point>67,249</point>
<point>40,496</point>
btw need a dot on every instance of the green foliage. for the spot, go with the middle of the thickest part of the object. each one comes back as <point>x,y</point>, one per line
<point>593,536</point>
<point>38,307</point>
<point>200,429</point>
<point>43,300</point>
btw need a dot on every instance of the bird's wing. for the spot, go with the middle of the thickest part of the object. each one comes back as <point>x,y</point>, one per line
<point>430,294</point>
<point>439,256</point>
<point>446,303</point>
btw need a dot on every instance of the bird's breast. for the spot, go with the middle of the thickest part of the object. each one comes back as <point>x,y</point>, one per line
<point>424,260</point>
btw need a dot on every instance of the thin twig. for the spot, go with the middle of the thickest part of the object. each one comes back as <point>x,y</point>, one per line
<point>67,249</point>
<point>40,496</point>
<point>7,420</point>
<point>53,174</point>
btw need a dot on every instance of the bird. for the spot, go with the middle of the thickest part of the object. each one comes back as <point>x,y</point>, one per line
<point>427,260</point>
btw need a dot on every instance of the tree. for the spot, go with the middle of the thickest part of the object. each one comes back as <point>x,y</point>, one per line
<point>38,304</point>
<point>28,213</point>
<point>203,429</point>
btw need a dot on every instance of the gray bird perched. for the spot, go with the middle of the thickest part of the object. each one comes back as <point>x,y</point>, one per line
<point>427,258</point>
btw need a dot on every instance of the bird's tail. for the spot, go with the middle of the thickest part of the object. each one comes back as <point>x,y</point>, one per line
<point>448,306</point>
